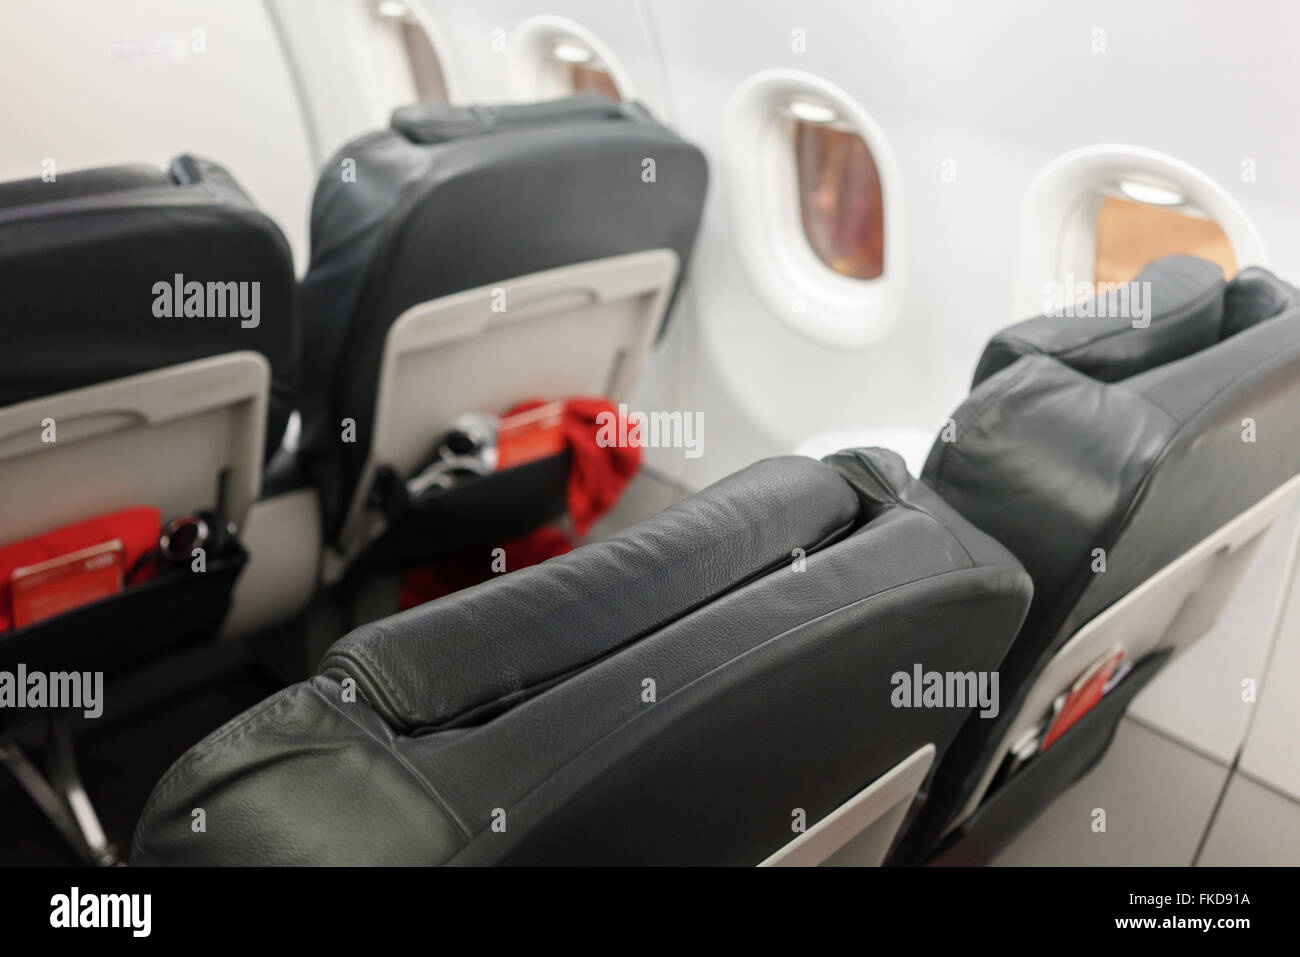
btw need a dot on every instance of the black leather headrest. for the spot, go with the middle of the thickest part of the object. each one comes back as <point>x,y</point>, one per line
<point>431,123</point>
<point>82,182</point>
<point>1254,295</point>
<point>479,651</point>
<point>1175,309</point>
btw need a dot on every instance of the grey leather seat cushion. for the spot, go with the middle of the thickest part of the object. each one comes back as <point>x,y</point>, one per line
<point>767,613</point>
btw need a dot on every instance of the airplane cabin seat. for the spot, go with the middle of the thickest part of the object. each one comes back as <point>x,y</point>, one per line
<point>1132,465</point>
<point>680,693</point>
<point>149,369</point>
<point>151,355</point>
<point>468,258</point>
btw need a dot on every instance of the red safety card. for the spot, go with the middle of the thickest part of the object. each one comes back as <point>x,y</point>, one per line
<point>533,434</point>
<point>1083,695</point>
<point>67,582</point>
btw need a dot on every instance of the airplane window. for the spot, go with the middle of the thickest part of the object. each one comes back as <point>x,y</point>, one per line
<point>555,57</point>
<point>1149,222</point>
<point>584,71</point>
<point>840,198</point>
<point>422,60</point>
<point>1107,210</point>
<point>815,180</point>
<point>590,79</point>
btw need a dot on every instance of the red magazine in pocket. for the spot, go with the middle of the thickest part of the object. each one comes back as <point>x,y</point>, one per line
<point>1084,695</point>
<point>67,582</point>
<point>135,528</point>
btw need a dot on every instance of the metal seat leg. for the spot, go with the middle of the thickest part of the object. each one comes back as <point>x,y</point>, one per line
<point>62,797</point>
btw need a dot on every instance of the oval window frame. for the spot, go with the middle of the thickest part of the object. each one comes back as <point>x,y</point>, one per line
<point>1056,235</point>
<point>451,81</point>
<point>532,46</point>
<point>819,304</point>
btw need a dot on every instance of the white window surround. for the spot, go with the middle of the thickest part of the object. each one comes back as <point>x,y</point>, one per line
<point>372,34</point>
<point>1057,235</point>
<point>438,41</point>
<point>835,311</point>
<point>536,73</point>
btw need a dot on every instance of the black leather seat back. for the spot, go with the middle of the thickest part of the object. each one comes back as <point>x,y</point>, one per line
<point>79,260</point>
<point>672,695</point>
<point>453,198</point>
<point>1106,434</point>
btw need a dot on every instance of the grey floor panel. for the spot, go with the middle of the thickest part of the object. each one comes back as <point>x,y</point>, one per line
<point>1157,796</point>
<point>1255,826</point>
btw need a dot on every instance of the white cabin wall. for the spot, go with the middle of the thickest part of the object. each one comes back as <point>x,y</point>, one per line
<point>999,88</point>
<point>469,32</point>
<point>350,63</point>
<point>90,83</point>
